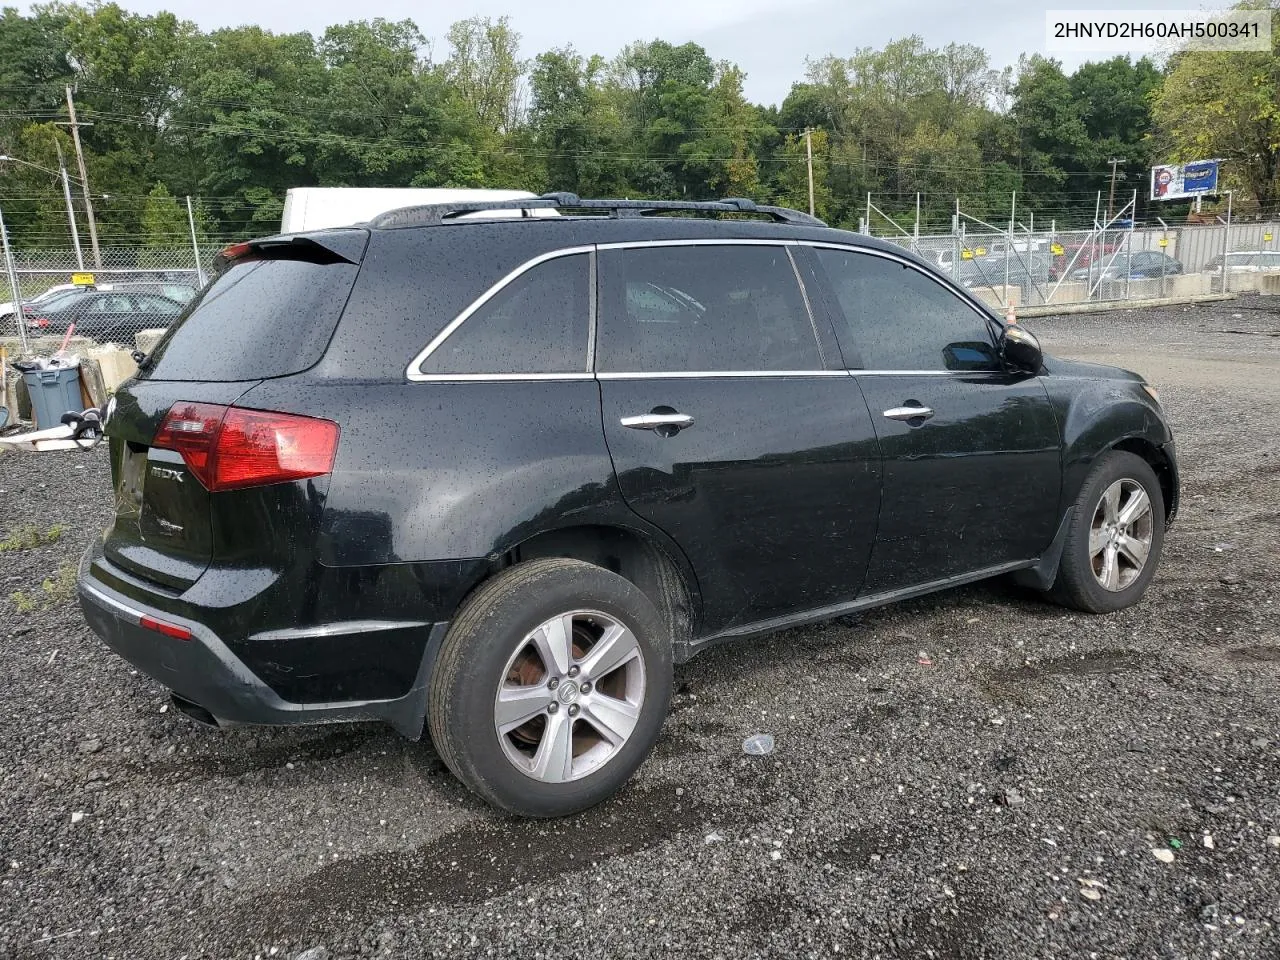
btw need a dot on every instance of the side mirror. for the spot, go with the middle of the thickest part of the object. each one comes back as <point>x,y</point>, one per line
<point>1021,350</point>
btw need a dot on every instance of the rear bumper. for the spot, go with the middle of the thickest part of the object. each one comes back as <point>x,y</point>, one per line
<point>204,671</point>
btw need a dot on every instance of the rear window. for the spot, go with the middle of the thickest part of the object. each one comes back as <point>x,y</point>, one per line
<point>259,319</point>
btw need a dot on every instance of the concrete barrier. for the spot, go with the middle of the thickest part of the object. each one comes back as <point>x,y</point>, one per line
<point>1270,285</point>
<point>998,298</point>
<point>146,340</point>
<point>116,364</point>
<point>1190,285</point>
<point>1069,291</point>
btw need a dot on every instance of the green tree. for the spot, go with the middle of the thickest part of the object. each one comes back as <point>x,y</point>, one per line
<point>163,220</point>
<point>1227,105</point>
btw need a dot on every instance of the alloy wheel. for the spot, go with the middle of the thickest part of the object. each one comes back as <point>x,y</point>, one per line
<point>1120,535</point>
<point>570,696</point>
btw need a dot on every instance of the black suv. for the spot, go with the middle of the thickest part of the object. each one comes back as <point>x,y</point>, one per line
<point>498,475</point>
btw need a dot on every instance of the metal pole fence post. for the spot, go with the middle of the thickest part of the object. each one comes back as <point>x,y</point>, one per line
<point>15,290</point>
<point>1128,244</point>
<point>868,213</point>
<point>1008,246</point>
<point>955,244</point>
<point>71,210</point>
<point>1097,229</point>
<point>1164,248</point>
<point>195,245</point>
<point>1053,239</point>
<point>1226,243</point>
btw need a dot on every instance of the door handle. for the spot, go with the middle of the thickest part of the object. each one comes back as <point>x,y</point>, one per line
<point>909,413</point>
<point>655,421</point>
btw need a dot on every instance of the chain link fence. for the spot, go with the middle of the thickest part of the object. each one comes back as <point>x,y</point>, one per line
<point>1114,261</point>
<point>144,288</point>
<point>137,288</point>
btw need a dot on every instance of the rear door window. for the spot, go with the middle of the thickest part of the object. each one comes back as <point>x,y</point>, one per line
<point>262,317</point>
<point>540,322</point>
<point>703,308</point>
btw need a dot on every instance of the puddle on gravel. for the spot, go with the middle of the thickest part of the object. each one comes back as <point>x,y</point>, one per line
<point>1076,665</point>
<point>482,860</point>
<point>1012,684</point>
<point>1255,654</point>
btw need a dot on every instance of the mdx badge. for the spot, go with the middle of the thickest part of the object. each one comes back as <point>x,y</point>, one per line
<point>168,473</point>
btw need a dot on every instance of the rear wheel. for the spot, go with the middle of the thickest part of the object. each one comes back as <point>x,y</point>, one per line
<point>1116,534</point>
<point>551,687</point>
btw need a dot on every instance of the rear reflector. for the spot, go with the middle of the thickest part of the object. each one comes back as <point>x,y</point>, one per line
<point>168,629</point>
<point>228,448</point>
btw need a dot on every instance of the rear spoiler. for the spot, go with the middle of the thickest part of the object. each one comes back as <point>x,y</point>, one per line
<point>345,245</point>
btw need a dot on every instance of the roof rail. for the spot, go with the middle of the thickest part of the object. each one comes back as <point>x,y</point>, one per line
<point>437,213</point>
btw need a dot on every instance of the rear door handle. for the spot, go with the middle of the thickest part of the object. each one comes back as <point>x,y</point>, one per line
<point>909,413</point>
<point>653,421</point>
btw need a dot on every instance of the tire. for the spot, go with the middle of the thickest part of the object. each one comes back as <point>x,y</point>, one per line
<point>500,644</point>
<point>1090,537</point>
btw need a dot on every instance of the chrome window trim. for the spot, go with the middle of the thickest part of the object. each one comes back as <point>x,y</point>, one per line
<point>720,374</point>
<point>702,242</point>
<point>413,373</point>
<point>497,377</point>
<point>854,372</point>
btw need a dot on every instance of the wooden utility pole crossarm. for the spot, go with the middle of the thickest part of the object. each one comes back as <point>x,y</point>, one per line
<point>84,176</point>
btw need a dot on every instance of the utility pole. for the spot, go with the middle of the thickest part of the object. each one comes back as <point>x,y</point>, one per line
<point>808,154</point>
<point>195,244</point>
<point>16,292</point>
<point>71,210</point>
<point>84,177</point>
<point>1111,200</point>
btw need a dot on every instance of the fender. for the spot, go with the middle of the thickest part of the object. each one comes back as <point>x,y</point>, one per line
<point>1101,408</point>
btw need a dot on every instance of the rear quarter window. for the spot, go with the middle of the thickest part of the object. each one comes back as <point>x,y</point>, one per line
<point>261,318</point>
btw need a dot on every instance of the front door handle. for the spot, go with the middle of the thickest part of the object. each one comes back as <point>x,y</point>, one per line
<point>909,413</point>
<point>656,421</point>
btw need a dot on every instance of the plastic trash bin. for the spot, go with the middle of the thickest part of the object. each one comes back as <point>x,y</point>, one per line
<point>53,393</point>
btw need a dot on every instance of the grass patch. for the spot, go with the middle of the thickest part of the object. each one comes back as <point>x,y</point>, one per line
<point>55,589</point>
<point>29,537</point>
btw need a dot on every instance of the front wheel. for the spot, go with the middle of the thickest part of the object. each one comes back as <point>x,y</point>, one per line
<point>551,687</point>
<point>1115,536</point>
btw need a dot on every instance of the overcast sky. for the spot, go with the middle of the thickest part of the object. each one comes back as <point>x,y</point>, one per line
<point>769,39</point>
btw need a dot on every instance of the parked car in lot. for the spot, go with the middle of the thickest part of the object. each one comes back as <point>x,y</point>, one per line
<point>1142,265</point>
<point>179,292</point>
<point>1246,261</point>
<point>7,309</point>
<point>104,315</point>
<point>495,477</point>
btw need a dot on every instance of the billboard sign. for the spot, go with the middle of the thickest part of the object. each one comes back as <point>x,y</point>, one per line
<point>1179,181</point>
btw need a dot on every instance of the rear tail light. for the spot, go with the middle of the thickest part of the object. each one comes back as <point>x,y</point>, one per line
<point>228,448</point>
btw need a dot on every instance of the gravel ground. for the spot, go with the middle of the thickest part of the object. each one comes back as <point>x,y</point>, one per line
<point>1003,800</point>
